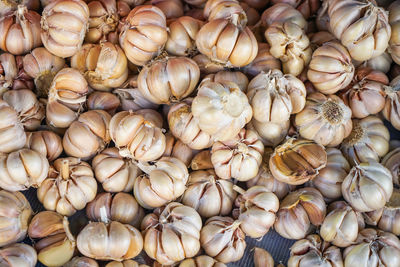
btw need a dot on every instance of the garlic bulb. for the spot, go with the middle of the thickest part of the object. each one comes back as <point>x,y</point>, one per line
<point>30,111</point>
<point>239,157</point>
<point>206,65</point>
<point>325,119</point>
<point>12,135</point>
<point>255,210</point>
<point>184,127</point>
<point>12,74</point>
<point>171,8</point>
<point>365,32</point>
<point>15,214</point>
<point>216,41</point>
<point>208,194</point>
<point>201,261</point>
<point>281,12</point>
<point>221,109</point>
<point>380,63</point>
<point>330,68</point>
<point>143,41</point>
<point>369,139</point>
<point>318,39</point>
<point>103,19</point>
<point>341,225</point>
<point>182,36</point>
<point>125,263</point>
<point>263,62</point>
<point>20,31</point>
<point>329,179</point>
<point>81,262</point>
<point>121,207</point>
<point>175,148</point>
<point>386,218</point>
<point>131,98</point>
<point>88,135</point>
<point>182,225</point>
<point>274,96</point>
<point>366,94</point>
<point>164,181</point>
<point>270,133</point>
<point>373,248</point>
<point>113,241</point>
<point>42,66</point>
<point>296,161</point>
<point>298,211</point>
<point>56,245</point>
<point>69,187</point>
<point>64,24</point>
<point>222,239</point>
<point>394,42</point>
<point>392,162</point>
<point>262,258</point>
<point>224,9</point>
<point>125,129</point>
<point>22,169</point>
<point>18,255</point>
<point>168,80</point>
<point>391,111</point>
<point>67,94</point>
<point>46,143</point>
<point>233,76</point>
<point>115,173</point>
<point>290,44</point>
<point>312,251</point>
<point>104,65</point>
<point>368,186</point>
<point>132,3</point>
<point>306,7</point>
<point>106,101</point>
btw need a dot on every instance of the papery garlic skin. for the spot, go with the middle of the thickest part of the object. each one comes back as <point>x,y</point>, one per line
<point>206,65</point>
<point>69,187</point>
<point>330,68</point>
<point>239,49</point>
<point>201,261</point>
<point>88,135</point>
<point>262,258</point>
<point>104,66</point>
<point>168,80</point>
<point>394,43</point>
<point>263,62</point>
<point>222,239</point>
<point>103,19</point>
<point>182,225</point>
<point>46,143</point>
<point>234,76</point>
<point>325,119</point>
<point>114,241</point>
<point>392,162</point>
<point>175,148</point>
<point>55,245</point>
<point>42,66</point>
<point>18,255</point>
<point>306,7</point>
<point>313,251</point>
<point>20,31</point>
<point>208,194</point>
<point>12,73</point>
<point>391,111</point>
<point>121,207</point>
<point>373,248</point>
<point>256,210</point>
<point>329,179</point>
<point>365,32</point>
<point>164,181</point>
<point>142,42</point>
<point>369,139</point>
<point>22,169</point>
<point>11,5</point>
<point>224,9</point>
<point>64,24</point>
<point>15,215</point>
<point>126,126</point>
<point>171,8</point>
<point>115,173</point>
<point>296,161</point>
<point>368,186</point>
<point>182,36</point>
<point>67,95</point>
<point>81,262</point>
<point>270,133</point>
<point>30,111</point>
<point>201,161</point>
<point>239,157</point>
<point>106,101</point>
<point>281,12</point>
<point>381,63</point>
<point>12,135</point>
<point>125,263</point>
<point>221,109</point>
<point>298,211</point>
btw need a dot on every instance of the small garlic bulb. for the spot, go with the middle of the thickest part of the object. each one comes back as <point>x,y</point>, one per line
<point>103,19</point>
<point>182,225</point>
<point>81,262</point>
<point>298,211</point>
<point>208,194</point>
<point>106,101</point>
<point>222,239</point>
<point>223,9</point>
<point>262,258</point>
<point>46,143</point>
<point>263,62</point>
<point>125,263</point>
<point>392,162</point>
<point>175,148</point>
<point>255,210</point>
<point>368,186</point>
<point>281,12</point>
<point>201,261</point>
<point>15,215</point>
<point>18,255</point>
